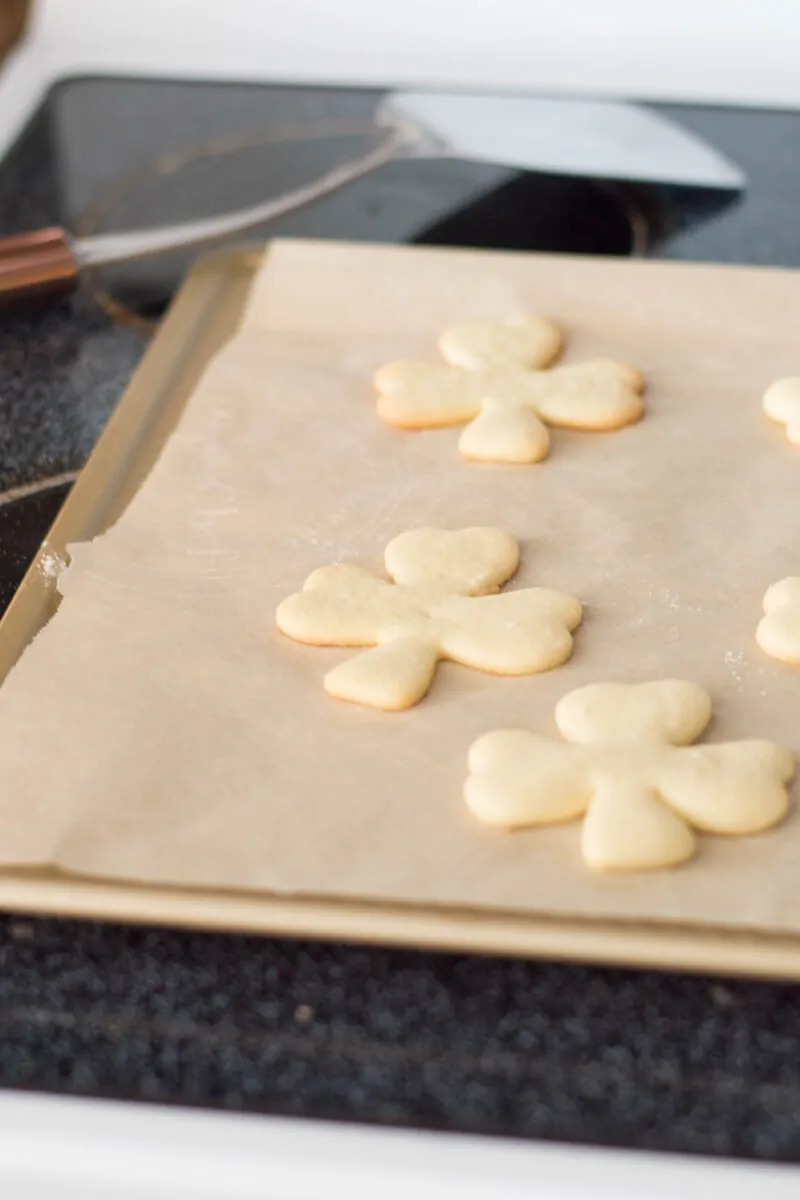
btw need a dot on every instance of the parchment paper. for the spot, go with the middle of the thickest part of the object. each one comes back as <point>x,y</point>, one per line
<point>189,743</point>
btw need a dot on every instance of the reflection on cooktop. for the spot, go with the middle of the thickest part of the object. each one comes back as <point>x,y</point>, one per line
<point>201,149</point>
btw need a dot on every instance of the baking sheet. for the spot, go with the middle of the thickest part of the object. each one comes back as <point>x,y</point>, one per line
<point>229,766</point>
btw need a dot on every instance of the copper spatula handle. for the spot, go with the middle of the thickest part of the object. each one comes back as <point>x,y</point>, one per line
<point>33,264</point>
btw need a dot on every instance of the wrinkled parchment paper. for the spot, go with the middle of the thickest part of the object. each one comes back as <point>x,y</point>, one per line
<point>161,730</point>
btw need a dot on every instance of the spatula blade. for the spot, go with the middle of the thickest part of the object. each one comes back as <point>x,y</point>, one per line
<point>601,139</point>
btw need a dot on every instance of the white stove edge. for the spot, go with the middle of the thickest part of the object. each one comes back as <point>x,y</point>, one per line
<point>90,1150</point>
<point>698,51</point>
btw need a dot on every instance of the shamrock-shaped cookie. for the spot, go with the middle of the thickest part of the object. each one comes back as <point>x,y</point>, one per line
<point>782,404</point>
<point>626,767</point>
<point>438,607</point>
<point>490,379</point>
<point>778,631</point>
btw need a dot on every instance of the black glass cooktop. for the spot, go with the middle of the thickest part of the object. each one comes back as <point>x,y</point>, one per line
<point>528,1049</point>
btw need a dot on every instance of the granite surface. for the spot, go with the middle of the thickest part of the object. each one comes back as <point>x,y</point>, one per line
<point>453,1042</point>
<point>450,1042</point>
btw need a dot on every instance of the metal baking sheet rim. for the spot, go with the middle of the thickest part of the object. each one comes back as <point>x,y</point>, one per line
<point>203,315</point>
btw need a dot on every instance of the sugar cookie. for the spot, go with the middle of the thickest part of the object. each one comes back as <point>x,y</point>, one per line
<point>778,632</point>
<point>528,341</point>
<point>782,404</point>
<point>440,606</point>
<point>627,769</point>
<point>489,379</point>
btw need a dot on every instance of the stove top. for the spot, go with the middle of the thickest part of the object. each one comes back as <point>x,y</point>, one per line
<point>530,1049</point>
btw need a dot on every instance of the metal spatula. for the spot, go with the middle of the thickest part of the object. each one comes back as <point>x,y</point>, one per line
<point>568,137</point>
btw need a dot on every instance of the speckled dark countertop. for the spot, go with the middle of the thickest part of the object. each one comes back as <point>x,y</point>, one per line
<point>499,1046</point>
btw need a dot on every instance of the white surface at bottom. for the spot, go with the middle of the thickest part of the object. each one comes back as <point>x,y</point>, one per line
<point>88,1150</point>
